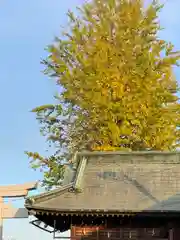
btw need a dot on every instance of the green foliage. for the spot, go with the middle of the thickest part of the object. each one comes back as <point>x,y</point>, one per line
<point>118,90</point>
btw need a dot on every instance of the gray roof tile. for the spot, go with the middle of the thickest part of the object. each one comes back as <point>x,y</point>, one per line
<point>148,181</point>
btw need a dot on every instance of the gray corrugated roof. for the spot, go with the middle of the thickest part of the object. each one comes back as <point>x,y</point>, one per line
<point>148,181</point>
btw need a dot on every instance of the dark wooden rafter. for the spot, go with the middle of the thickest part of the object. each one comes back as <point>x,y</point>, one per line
<point>64,223</point>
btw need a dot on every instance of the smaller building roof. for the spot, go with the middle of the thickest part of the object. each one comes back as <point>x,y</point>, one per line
<point>116,182</point>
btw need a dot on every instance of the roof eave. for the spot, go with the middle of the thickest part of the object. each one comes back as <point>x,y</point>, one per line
<point>102,153</point>
<point>30,201</point>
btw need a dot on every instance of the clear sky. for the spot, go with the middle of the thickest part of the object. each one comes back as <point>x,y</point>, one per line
<point>26,27</point>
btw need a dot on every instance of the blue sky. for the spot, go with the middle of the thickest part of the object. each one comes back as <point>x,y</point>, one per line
<point>26,28</point>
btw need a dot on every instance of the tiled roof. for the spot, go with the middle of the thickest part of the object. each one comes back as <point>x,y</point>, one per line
<point>118,182</point>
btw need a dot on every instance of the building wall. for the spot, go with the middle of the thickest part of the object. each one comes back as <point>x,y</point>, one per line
<point>174,234</point>
<point>102,233</point>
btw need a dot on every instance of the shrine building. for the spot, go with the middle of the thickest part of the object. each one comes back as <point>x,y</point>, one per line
<point>114,196</point>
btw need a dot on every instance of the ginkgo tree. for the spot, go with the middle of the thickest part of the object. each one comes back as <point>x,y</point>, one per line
<point>116,85</point>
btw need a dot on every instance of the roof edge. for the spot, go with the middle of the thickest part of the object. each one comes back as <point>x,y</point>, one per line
<point>102,153</point>
<point>30,201</point>
<point>80,173</point>
<point>82,212</point>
